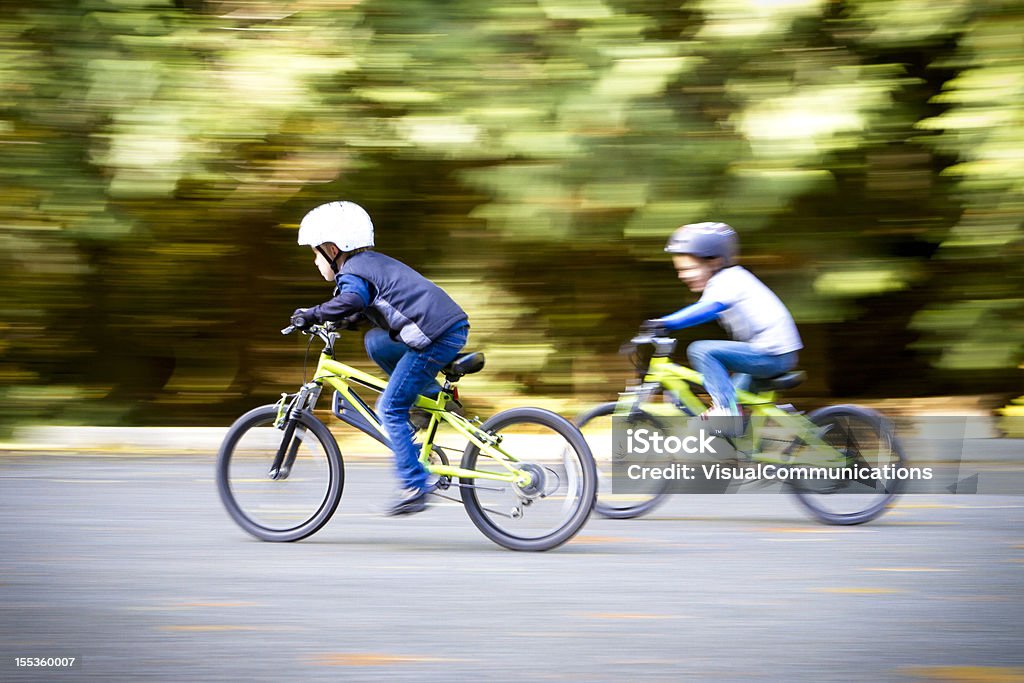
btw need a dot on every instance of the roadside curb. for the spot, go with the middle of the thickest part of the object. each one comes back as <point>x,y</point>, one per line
<point>145,442</point>
<point>979,443</point>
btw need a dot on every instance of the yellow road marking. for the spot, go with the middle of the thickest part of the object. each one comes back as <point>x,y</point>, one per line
<point>584,539</point>
<point>215,627</point>
<point>618,615</point>
<point>927,506</point>
<point>906,569</point>
<point>967,674</point>
<point>802,530</point>
<point>374,659</point>
<point>859,591</point>
<point>174,606</point>
<point>219,604</point>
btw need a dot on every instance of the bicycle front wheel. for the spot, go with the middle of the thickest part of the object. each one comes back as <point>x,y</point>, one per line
<point>596,425</point>
<point>279,485</point>
<point>563,481</point>
<point>865,484</point>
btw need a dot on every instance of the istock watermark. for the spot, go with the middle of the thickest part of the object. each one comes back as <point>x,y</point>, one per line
<point>643,441</point>
<point>764,455</point>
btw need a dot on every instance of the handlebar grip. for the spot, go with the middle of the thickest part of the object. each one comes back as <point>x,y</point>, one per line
<point>301,321</point>
<point>288,330</point>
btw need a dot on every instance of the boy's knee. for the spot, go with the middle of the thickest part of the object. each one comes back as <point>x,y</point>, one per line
<point>394,409</point>
<point>698,351</point>
<point>371,342</point>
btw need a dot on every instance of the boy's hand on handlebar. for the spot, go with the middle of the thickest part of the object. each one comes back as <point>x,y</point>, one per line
<point>653,328</point>
<point>303,318</point>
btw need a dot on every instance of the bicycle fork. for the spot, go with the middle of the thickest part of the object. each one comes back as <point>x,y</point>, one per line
<point>287,420</point>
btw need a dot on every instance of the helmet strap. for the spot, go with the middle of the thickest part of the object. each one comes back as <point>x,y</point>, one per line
<point>332,261</point>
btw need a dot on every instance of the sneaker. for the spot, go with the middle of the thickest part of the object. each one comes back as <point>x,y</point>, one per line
<point>407,502</point>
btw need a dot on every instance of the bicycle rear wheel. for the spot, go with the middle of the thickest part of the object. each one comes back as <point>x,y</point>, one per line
<point>555,505</point>
<point>596,425</point>
<point>291,500</point>
<point>871,449</point>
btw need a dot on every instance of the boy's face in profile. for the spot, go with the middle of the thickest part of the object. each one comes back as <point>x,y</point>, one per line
<point>322,264</point>
<point>694,272</point>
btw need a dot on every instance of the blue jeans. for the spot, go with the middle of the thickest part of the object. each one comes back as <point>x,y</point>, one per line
<point>716,359</point>
<point>412,373</point>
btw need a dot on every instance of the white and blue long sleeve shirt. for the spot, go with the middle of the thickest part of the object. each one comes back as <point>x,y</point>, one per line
<point>747,309</point>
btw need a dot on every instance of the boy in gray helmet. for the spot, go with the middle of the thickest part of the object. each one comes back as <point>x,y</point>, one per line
<point>764,337</point>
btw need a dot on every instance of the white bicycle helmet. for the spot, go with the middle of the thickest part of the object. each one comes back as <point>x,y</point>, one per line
<point>344,224</point>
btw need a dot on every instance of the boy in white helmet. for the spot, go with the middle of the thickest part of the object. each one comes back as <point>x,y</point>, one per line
<point>765,338</point>
<point>418,329</point>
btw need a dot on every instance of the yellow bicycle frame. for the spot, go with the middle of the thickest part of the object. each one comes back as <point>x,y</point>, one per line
<point>338,375</point>
<point>679,379</point>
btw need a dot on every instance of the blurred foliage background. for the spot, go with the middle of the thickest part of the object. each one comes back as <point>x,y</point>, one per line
<point>529,155</point>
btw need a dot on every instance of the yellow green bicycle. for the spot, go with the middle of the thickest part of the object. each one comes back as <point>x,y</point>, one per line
<point>527,478</point>
<point>854,447</point>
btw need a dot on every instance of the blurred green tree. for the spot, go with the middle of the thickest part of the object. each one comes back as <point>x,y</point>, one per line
<point>530,155</point>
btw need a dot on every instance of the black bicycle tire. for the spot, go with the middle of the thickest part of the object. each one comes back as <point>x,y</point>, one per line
<point>579,517</point>
<point>877,421</point>
<point>629,511</point>
<point>323,515</point>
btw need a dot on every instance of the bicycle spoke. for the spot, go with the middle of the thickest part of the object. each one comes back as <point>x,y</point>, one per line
<point>500,513</point>
<point>545,508</point>
<point>278,485</point>
<point>865,442</point>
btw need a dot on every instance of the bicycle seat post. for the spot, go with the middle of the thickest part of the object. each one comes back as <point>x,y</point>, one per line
<point>663,346</point>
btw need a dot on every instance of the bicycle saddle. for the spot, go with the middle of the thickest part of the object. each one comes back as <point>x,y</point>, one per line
<point>786,381</point>
<point>464,365</point>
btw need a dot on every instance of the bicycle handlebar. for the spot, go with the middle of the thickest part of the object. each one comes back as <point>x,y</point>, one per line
<point>324,330</point>
<point>662,347</point>
<point>648,338</point>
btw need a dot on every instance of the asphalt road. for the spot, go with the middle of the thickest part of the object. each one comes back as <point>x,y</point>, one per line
<point>132,566</point>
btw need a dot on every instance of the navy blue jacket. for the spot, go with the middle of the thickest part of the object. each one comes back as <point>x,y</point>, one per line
<point>394,297</point>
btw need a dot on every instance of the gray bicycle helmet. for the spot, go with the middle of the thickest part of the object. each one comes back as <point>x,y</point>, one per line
<point>706,240</point>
